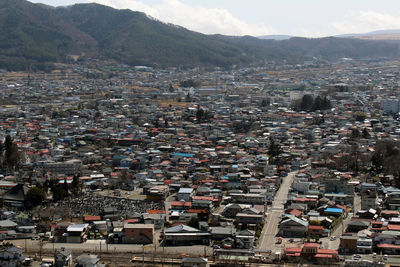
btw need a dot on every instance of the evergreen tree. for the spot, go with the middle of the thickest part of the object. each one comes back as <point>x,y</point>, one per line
<point>365,133</point>
<point>35,195</point>
<point>307,103</point>
<point>274,148</point>
<point>317,103</point>
<point>12,157</point>
<point>199,114</point>
<point>355,134</point>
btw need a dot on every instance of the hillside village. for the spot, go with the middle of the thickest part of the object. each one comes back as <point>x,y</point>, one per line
<point>284,163</point>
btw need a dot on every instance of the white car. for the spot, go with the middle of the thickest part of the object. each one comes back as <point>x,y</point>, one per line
<point>333,238</point>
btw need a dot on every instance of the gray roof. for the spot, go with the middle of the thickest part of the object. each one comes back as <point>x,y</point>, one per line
<point>359,223</point>
<point>297,220</point>
<point>86,259</point>
<point>7,223</point>
<point>17,193</point>
<point>194,260</point>
<point>245,233</point>
<point>222,230</point>
<point>181,228</point>
<point>185,191</point>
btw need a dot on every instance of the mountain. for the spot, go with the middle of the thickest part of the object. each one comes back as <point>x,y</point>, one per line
<point>388,35</point>
<point>31,33</point>
<point>134,38</point>
<point>277,37</point>
<point>33,36</point>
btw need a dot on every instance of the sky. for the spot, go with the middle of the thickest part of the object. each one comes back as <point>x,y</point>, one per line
<point>307,18</point>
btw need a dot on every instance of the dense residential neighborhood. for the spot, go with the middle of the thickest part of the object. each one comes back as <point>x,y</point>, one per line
<point>201,167</point>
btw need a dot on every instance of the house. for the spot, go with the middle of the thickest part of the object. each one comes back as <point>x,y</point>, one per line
<point>348,243</point>
<point>293,227</point>
<point>342,199</point>
<point>301,183</point>
<point>63,257</point>
<point>11,256</point>
<point>15,197</point>
<point>338,185</point>
<point>316,230</point>
<point>248,198</point>
<point>357,225</point>
<point>333,212</point>
<point>195,262</point>
<point>7,225</point>
<point>388,249</point>
<point>77,233</point>
<point>364,245</point>
<point>392,201</point>
<point>250,219</point>
<point>384,239</point>
<point>311,252</point>
<point>231,210</point>
<point>185,235</point>
<point>368,196</point>
<point>245,239</point>
<point>220,233</point>
<point>184,194</point>
<point>87,260</point>
<point>180,205</point>
<point>157,219</point>
<point>138,233</point>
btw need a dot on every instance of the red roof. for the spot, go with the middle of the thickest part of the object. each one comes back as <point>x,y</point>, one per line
<point>340,207</point>
<point>388,246</point>
<point>311,245</point>
<point>155,211</point>
<point>389,212</point>
<point>295,212</point>
<point>131,221</point>
<point>293,250</point>
<point>316,227</point>
<point>393,227</point>
<point>181,203</point>
<point>92,218</point>
<point>210,198</point>
<point>323,256</point>
<point>327,251</point>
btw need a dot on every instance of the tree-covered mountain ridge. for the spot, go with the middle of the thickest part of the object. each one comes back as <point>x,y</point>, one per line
<point>34,35</point>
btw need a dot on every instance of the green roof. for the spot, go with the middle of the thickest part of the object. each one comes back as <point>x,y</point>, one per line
<point>233,258</point>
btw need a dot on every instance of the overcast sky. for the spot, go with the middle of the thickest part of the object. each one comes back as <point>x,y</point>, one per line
<point>310,18</point>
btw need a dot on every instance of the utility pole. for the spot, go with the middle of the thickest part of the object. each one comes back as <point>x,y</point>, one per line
<point>143,255</point>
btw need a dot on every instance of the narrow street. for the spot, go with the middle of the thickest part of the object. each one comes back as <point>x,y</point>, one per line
<point>270,230</point>
<point>342,227</point>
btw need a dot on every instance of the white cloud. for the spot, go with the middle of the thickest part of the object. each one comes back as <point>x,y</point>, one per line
<point>366,21</point>
<point>196,18</point>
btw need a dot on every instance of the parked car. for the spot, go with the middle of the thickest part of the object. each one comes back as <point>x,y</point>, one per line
<point>385,257</point>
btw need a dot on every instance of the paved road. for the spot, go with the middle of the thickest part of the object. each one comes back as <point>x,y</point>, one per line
<point>270,230</point>
<point>342,227</point>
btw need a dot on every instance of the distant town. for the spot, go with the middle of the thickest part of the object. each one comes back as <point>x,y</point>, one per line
<point>105,164</point>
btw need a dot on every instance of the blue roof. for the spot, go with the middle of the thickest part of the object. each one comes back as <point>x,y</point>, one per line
<point>185,155</point>
<point>334,210</point>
